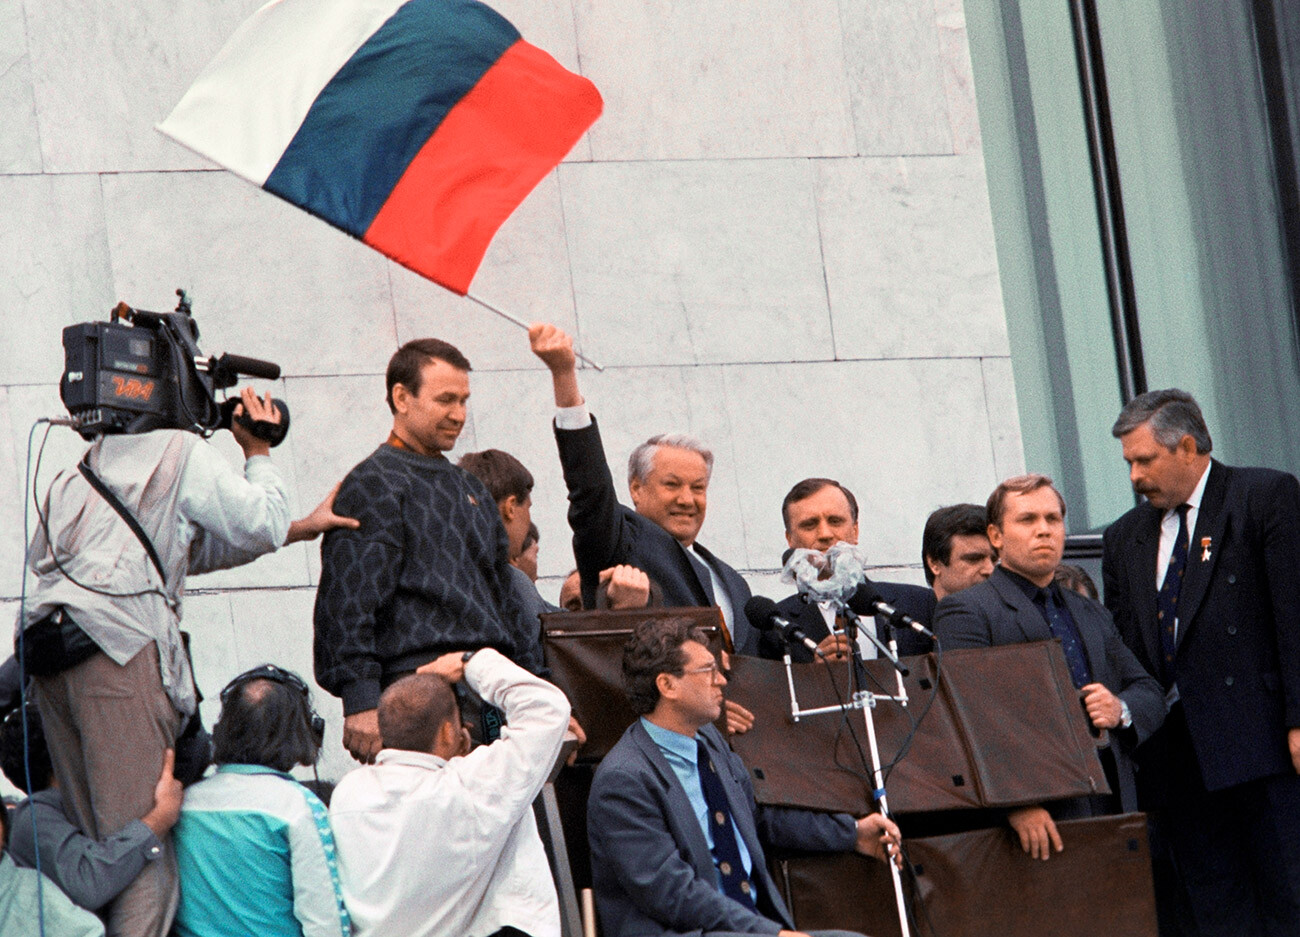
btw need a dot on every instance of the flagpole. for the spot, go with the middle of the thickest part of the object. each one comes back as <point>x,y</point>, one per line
<point>524,325</point>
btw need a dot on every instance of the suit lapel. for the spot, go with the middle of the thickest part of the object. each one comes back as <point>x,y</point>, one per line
<point>1143,588</point>
<point>695,847</point>
<point>1085,622</point>
<point>1212,522</point>
<point>1027,619</point>
<point>698,575</point>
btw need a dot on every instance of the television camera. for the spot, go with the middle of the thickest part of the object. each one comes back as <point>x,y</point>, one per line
<point>143,370</point>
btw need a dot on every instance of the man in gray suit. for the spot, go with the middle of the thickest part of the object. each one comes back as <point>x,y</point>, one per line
<point>676,838</point>
<point>1020,603</point>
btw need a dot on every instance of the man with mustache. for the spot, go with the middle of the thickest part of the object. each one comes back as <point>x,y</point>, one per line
<point>1202,580</point>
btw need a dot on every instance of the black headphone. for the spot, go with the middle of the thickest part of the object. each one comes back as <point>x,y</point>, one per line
<point>284,678</point>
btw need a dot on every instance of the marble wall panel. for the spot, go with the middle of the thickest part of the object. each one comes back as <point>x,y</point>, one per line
<point>896,77</point>
<point>1004,417</point>
<point>275,627</point>
<point>910,261</point>
<point>267,280</point>
<point>105,73</point>
<point>56,270</point>
<point>13,500</point>
<point>715,79</point>
<point>213,648</point>
<point>904,436</point>
<point>20,144</point>
<point>20,407</point>
<point>958,76</point>
<point>694,263</point>
<point>525,273</point>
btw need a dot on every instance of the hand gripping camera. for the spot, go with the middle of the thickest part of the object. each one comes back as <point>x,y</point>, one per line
<point>142,371</point>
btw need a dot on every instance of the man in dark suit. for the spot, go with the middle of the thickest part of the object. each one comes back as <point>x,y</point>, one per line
<point>955,548</point>
<point>668,478</point>
<point>676,838</point>
<point>1020,603</point>
<point>819,513</point>
<point>1202,579</point>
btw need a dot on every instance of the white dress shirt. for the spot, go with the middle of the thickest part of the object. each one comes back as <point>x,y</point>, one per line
<point>1169,533</point>
<point>430,847</point>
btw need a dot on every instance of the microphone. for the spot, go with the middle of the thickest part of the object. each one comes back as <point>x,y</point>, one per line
<point>763,615</point>
<point>253,367</point>
<point>867,601</point>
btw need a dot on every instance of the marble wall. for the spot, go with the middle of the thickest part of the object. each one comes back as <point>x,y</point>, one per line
<point>777,237</point>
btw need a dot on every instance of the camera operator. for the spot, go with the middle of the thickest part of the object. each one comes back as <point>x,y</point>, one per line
<point>101,632</point>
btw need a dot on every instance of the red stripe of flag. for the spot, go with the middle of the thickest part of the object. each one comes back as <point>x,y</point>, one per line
<point>489,152</point>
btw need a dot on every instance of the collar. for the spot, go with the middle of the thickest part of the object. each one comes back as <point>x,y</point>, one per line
<point>398,756</point>
<point>398,443</point>
<point>1198,493</point>
<point>254,769</point>
<point>683,746</point>
<point>1028,588</point>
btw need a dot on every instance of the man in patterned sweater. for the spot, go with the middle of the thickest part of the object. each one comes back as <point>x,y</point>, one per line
<point>428,571</point>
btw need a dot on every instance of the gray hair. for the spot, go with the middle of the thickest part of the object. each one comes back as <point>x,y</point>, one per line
<point>1172,413</point>
<point>641,461</point>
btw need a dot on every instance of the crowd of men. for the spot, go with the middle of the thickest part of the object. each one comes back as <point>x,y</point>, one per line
<point>426,628</point>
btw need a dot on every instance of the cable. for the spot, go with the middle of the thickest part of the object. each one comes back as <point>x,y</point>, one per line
<point>45,529</point>
<point>28,479</point>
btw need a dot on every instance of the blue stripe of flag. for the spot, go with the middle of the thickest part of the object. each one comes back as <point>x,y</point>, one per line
<point>382,106</point>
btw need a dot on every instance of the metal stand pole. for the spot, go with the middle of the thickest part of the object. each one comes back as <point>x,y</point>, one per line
<point>878,778</point>
<point>866,701</point>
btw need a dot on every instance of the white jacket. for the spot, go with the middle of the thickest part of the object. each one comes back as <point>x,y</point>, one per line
<point>434,847</point>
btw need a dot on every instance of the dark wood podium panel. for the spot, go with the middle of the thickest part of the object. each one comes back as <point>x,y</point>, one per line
<point>585,653</point>
<point>981,884</point>
<point>815,763</point>
<point>1005,728</point>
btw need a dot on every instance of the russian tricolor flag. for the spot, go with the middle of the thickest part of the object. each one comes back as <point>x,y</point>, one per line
<point>416,126</point>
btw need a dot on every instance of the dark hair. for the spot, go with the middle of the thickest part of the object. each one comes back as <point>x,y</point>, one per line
<point>955,520</point>
<point>1075,578</point>
<point>1172,413</point>
<point>408,361</point>
<point>1021,485</point>
<point>654,648</point>
<point>533,536</point>
<point>413,709</point>
<point>265,721</point>
<point>11,750</point>
<point>501,473</point>
<point>809,487</point>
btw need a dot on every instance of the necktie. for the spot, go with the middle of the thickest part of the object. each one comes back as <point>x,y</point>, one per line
<point>1063,627</point>
<point>726,854</point>
<point>706,576</point>
<point>1167,598</point>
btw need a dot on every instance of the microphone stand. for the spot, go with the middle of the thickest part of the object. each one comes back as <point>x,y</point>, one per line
<point>864,700</point>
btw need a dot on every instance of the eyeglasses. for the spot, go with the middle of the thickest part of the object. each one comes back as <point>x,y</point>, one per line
<point>712,670</point>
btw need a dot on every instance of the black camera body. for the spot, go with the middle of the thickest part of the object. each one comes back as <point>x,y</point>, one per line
<point>142,371</point>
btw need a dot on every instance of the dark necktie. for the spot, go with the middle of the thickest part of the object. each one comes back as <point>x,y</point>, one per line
<point>1063,627</point>
<point>1167,598</point>
<point>726,854</point>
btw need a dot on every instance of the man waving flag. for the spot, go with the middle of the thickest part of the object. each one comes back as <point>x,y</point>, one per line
<point>415,126</point>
